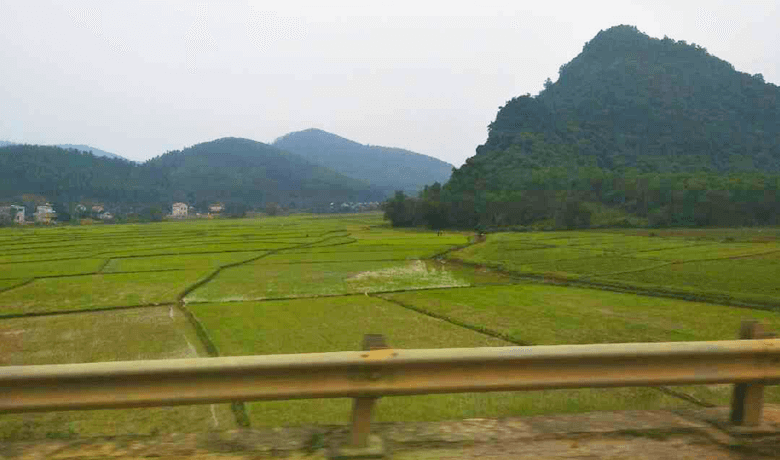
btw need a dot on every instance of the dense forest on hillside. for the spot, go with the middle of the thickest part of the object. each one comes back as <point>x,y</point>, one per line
<point>237,171</point>
<point>69,174</point>
<point>385,168</point>
<point>89,149</point>
<point>655,128</point>
<point>232,169</point>
<point>78,147</point>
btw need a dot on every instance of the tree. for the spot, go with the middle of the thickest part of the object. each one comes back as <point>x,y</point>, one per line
<point>235,209</point>
<point>62,211</point>
<point>572,214</point>
<point>151,214</point>
<point>272,209</point>
<point>399,210</point>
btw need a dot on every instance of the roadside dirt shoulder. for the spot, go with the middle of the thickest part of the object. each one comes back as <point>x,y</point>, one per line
<point>694,434</point>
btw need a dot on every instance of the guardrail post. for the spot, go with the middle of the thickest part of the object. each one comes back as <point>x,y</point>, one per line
<point>747,402</point>
<point>361,443</point>
<point>361,421</point>
<point>362,407</point>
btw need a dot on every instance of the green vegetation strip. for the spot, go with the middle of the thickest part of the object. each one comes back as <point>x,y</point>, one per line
<point>346,256</point>
<point>745,277</point>
<point>36,269</point>
<point>96,291</point>
<point>550,315</point>
<point>553,315</point>
<point>7,285</point>
<point>178,262</point>
<point>268,281</point>
<point>337,324</point>
<point>732,272</point>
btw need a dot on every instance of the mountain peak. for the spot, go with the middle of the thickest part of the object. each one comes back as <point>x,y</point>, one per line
<point>386,168</point>
<point>620,31</point>
<point>632,101</point>
<point>314,134</point>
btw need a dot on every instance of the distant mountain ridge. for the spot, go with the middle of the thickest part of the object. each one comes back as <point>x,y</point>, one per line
<point>230,170</point>
<point>254,173</point>
<point>385,168</point>
<point>80,147</point>
<point>93,150</point>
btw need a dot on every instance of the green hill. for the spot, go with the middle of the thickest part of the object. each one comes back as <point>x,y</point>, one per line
<point>232,169</point>
<point>79,147</point>
<point>385,168</point>
<point>631,101</point>
<point>56,173</point>
<point>229,170</point>
<point>656,129</point>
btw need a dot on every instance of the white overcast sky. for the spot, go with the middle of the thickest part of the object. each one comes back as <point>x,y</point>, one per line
<point>138,78</point>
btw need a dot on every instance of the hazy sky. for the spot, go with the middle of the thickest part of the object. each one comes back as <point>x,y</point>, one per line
<point>141,77</point>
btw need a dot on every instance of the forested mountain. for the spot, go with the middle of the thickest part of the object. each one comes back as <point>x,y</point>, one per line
<point>66,175</point>
<point>385,168</point>
<point>231,170</point>
<point>631,101</point>
<point>658,128</point>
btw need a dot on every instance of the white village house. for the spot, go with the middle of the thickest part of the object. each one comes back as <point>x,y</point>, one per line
<point>179,210</point>
<point>13,213</point>
<point>44,214</point>
<point>17,213</point>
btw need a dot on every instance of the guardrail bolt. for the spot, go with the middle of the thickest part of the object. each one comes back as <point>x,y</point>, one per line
<point>747,402</point>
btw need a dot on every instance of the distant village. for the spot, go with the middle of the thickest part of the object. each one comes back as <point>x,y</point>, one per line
<point>45,214</point>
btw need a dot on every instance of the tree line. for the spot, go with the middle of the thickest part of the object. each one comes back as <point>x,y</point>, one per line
<point>657,200</point>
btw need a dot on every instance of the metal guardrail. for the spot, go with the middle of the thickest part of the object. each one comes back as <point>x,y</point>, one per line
<point>393,372</point>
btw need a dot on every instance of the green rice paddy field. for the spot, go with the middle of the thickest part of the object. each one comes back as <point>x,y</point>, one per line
<point>318,283</point>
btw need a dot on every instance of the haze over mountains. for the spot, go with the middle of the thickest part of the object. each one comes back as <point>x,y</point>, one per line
<point>385,168</point>
<point>80,148</point>
<point>309,169</point>
<point>230,170</point>
<point>92,150</point>
<point>250,172</point>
